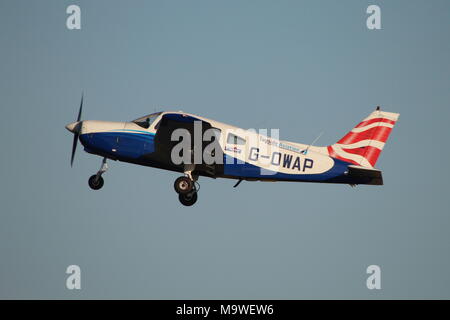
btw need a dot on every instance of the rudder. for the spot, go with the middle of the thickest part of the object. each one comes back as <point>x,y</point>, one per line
<point>364,143</point>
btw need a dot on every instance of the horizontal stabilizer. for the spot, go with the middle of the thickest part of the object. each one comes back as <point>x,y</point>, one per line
<point>363,175</point>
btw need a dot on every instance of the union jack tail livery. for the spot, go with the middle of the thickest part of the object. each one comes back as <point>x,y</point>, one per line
<point>363,144</point>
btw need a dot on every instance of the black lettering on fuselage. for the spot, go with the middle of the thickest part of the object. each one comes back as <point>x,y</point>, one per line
<point>254,154</point>
<point>296,164</point>
<point>308,164</point>
<point>284,159</point>
<point>276,158</point>
<point>287,159</point>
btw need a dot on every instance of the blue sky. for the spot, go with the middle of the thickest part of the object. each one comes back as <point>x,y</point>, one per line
<point>301,66</point>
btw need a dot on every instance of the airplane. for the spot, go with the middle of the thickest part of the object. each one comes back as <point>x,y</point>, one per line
<point>243,155</point>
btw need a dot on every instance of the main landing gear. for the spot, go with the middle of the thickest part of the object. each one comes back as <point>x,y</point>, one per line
<point>188,199</point>
<point>96,181</point>
<point>187,188</point>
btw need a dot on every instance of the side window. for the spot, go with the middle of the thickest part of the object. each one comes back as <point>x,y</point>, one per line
<point>146,123</point>
<point>234,139</point>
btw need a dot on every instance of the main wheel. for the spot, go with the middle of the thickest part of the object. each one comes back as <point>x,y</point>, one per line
<point>188,200</point>
<point>183,185</point>
<point>96,183</point>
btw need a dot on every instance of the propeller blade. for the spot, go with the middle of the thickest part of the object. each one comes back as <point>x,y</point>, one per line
<point>76,132</point>
<point>81,108</point>
<point>74,147</point>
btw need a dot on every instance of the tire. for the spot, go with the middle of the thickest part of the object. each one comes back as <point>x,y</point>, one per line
<point>188,200</point>
<point>95,183</point>
<point>183,185</point>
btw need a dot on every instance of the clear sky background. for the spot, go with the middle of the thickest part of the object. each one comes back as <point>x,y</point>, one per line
<point>301,66</point>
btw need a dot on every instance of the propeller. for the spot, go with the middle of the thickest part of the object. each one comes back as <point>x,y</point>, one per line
<point>75,128</point>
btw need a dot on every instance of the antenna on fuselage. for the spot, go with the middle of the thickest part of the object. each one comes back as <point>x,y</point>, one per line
<point>315,140</point>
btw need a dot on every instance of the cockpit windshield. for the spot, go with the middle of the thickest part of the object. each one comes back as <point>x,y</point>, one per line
<point>146,121</point>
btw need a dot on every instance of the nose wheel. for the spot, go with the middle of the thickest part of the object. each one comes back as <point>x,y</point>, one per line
<point>96,181</point>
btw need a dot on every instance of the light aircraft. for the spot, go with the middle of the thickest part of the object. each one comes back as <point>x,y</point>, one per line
<point>237,154</point>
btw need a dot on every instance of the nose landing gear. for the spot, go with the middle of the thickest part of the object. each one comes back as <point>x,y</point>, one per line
<point>96,181</point>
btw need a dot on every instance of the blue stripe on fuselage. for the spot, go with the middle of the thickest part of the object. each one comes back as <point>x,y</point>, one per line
<point>128,145</point>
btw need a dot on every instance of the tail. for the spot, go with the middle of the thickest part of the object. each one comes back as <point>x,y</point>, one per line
<point>363,144</point>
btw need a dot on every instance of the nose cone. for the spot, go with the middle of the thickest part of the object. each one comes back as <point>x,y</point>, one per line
<point>73,127</point>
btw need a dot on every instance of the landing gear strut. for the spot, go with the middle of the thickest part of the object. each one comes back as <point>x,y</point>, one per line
<point>96,181</point>
<point>187,187</point>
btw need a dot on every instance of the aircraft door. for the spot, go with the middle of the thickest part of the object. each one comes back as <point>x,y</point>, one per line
<point>163,144</point>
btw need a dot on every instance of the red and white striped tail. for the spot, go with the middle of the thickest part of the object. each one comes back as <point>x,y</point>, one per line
<point>362,146</point>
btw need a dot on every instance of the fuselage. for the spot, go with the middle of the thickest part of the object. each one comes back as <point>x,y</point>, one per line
<point>247,154</point>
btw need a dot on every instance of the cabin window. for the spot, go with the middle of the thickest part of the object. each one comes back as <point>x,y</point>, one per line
<point>234,139</point>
